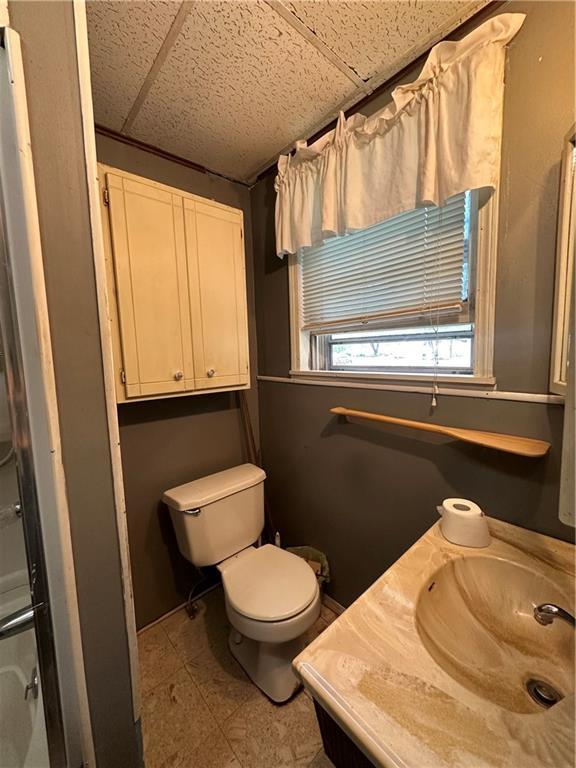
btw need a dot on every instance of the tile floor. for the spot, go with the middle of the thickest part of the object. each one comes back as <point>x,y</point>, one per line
<point>199,709</point>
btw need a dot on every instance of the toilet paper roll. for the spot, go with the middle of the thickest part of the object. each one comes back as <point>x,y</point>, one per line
<point>464,523</point>
<point>462,507</point>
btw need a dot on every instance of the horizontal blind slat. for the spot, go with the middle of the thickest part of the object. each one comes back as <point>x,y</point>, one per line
<point>418,314</point>
<point>453,254</point>
<point>412,261</point>
<point>449,288</point>
<point>349,242</point>
<point>358,250</point>
<point>400,300</point>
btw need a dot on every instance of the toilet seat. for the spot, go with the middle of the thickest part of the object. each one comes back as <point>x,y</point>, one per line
<point>268,584</point>
<point>275,631</point>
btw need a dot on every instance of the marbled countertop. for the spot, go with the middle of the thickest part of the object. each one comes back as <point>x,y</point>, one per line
<point>371,671</point>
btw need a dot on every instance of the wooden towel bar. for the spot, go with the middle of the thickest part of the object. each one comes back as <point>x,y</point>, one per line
<point>522,446</point>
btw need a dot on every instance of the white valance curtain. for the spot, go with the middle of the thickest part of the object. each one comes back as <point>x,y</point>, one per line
<point>440,136</point>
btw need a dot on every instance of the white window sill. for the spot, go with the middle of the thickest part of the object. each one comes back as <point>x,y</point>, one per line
<point>334,379</point>
<point>400,378</point>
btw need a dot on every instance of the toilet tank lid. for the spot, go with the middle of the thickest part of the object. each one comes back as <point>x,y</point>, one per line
<point>211,488</point>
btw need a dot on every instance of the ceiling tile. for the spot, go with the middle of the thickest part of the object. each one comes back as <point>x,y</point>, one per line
<point>375,38</point>
<point>238,86</point>
<point>125,37</point>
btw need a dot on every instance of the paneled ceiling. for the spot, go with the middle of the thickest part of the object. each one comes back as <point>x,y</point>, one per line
<point>229,84</point>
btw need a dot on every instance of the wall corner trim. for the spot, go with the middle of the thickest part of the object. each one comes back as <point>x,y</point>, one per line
<point>83,62</point>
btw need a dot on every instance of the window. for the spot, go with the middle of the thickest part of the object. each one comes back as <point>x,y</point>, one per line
<point>411,296</point>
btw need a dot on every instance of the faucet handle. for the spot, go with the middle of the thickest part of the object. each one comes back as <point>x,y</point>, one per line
<point>546,613</point>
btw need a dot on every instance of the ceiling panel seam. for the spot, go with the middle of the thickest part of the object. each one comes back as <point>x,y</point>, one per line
<point>161,57</point>
<point>377,81</point>
<point>449,25</point>
<point>311,37</point>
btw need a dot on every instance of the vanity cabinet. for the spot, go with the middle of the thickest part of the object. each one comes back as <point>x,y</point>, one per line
<point>176,281</point>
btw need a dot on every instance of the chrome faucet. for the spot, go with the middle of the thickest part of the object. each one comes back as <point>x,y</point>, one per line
<point>547,612</point>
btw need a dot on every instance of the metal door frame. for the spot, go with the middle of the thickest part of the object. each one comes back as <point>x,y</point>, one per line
<point>21,439</point>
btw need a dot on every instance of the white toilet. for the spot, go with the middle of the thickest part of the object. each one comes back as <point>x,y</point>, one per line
<point>272,596</point>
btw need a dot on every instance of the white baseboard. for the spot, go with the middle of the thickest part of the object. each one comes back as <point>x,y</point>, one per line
<point>329,602</point>
<point>161,618</point>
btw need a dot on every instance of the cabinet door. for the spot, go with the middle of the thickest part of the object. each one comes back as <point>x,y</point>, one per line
<point>147,226</point>
<point>217,274</point>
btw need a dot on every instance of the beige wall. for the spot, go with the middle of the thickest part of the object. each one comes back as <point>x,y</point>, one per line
<point>168,442</point>
<point>364,494</point>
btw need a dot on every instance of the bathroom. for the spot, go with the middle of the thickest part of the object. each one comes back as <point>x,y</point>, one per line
<point>207,566</point>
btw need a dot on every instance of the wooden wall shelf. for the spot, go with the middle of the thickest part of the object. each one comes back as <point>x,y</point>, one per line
<point>522,446</point>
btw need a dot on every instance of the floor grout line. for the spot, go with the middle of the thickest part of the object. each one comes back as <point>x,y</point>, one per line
<point>230,745</point>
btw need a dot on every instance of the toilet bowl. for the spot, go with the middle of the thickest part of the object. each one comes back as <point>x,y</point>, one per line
<point>272,596</point>
<point>272,599</point>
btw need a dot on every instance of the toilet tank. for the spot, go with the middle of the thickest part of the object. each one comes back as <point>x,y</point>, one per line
<point>218,515</point>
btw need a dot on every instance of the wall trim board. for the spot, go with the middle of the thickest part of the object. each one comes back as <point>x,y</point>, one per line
<point>159,152</point>
<point>91,166</point>
<point>489,394</point>
<point>334,605</point>
<point>328,601</point>
<point>160,619</point>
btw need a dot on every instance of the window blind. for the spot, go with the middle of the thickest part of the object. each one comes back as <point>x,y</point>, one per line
<point>414,264</point>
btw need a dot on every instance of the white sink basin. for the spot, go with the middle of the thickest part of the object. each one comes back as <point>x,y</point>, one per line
<point>475,617</point>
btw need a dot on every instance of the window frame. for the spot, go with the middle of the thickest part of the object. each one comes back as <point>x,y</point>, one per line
<point>322,347</point>
<point>564,269</point>
<point>483,238</point>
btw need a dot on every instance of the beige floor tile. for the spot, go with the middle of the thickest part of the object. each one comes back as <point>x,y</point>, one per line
<point>321,761</point>
<point>213,752</point>
<point>209,627</point>
<point>221,680</point>
<point>266,735</point>
<point>157,658</point>
<point>177,725</point>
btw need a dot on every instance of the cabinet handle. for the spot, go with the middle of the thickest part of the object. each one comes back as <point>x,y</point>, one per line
<point>178,375</point>
<point>211,372</point>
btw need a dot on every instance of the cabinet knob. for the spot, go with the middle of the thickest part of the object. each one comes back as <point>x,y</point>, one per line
<point>211,372</point>
<point>178,375</point>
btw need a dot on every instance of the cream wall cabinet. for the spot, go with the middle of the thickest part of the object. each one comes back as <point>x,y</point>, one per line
<point>176,281</point>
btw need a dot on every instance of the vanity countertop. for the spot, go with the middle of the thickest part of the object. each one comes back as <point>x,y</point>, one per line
<point>371,672</point>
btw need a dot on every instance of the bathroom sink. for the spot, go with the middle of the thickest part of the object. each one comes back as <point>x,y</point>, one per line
<point>441,663</point>
<point>475,618</point>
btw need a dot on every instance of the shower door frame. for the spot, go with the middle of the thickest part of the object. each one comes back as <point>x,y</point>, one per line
<point>31,524</point>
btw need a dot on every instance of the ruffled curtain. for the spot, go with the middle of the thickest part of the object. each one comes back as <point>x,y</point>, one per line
<point>439,136</point>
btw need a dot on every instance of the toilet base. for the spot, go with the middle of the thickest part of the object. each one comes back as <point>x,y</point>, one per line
<point>268,665</point>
